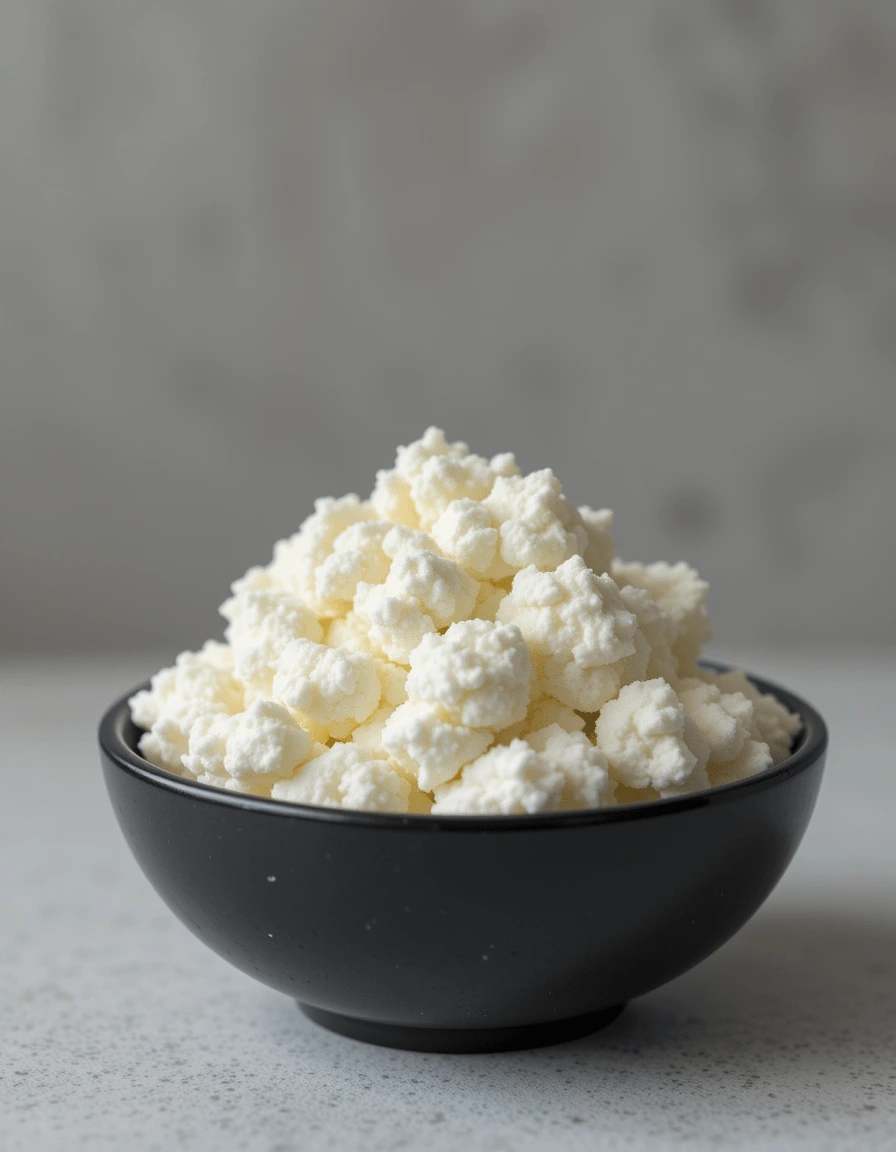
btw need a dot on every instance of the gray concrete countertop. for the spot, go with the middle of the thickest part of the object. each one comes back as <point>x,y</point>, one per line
<point>119,1030</point>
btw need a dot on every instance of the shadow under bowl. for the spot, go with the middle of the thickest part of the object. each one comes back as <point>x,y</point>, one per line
<point>463,934</point>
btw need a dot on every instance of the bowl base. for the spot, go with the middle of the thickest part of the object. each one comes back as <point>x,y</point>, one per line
<point>463,1039</point>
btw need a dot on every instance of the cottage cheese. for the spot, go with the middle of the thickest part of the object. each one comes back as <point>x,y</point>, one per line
<point>464,642</point>
<point>248,751</point>
<point>345,776</point>
<point>478,673</point>
<point>579,632</point>
<point>262,624</point>
<point>429,744</point>
<point>510,780</point>
<point>336,689</point>
<point>645,737</point>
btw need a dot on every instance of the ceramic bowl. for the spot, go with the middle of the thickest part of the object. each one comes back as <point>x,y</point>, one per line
<point>463,934</point>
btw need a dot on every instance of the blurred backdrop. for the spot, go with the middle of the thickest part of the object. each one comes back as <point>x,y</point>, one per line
<point>246,248</point>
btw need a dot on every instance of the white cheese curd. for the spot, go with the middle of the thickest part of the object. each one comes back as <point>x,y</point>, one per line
<point>422,593</point>
<point>509,780</point>
<point>681,596</point>
<point>262,624</point>
<point>586,775</point>
<point>547,712</point>
<point>578,630</point>
<point>297,560</point>
<point>477,672</point>
<point>725,719</point>
<point>256,747</point>
<point>536,525</point>
<point>336,689</point>
<point>464,532</point>
<point>199,683</point>
<point>369,735</point>
<point>644,735</point>
<point>357,557</point>
<point>345,776</point>
<point>657,631</point>
<point>488,600</point>
<point>772,723</point>
<point>429,745</point>
<point>464,642</point>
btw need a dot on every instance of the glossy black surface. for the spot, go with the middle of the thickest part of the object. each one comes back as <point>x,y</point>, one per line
<point>462,923</point>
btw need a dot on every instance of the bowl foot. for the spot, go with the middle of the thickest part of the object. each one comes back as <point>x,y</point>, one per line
<point>463,1039</point>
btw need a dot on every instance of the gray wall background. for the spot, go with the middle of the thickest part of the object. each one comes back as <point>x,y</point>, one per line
<point>246,248</point>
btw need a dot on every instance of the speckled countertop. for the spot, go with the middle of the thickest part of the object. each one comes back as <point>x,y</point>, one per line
<point>120,1030</point>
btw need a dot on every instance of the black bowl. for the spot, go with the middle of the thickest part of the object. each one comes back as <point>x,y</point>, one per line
<point>463,934</point>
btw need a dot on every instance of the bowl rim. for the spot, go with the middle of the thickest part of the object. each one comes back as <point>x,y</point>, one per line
<point>811,744</point>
